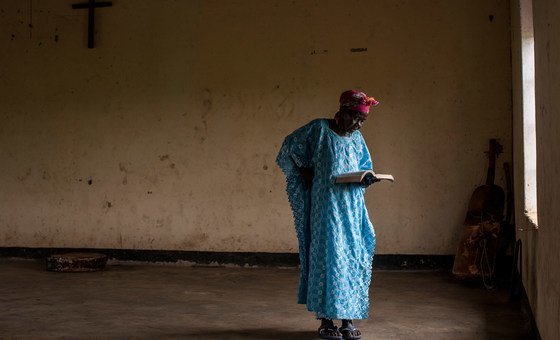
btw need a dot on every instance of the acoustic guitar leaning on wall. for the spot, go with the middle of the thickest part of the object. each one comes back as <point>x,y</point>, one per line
<point>477,248</point>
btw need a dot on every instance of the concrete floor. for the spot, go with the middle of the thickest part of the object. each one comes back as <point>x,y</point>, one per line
<point>162,302</point>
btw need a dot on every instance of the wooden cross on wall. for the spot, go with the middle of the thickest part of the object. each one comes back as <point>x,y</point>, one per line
<point>91,5</point>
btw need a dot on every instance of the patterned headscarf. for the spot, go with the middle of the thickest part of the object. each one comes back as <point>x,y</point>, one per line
<point>357,101</point>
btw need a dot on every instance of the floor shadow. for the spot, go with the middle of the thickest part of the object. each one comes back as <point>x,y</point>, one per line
<point>259,333</point>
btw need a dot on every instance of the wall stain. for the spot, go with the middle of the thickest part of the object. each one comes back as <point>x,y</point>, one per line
<point>163,222</point>
<point>123,169</point>
<point>25,175</point>
<point>166,157</point>
<point>358,49</point>
<point>207,100</point>
<point>30,19</point>
<point>286,106</point>
<point>10,232</point>
<point>194,240</point>
<point>207,103</point>
<point>548,51</point>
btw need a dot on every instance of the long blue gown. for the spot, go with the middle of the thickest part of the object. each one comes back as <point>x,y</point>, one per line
<point>336,237</point>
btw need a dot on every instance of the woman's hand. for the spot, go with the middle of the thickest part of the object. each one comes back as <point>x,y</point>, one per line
<point>368,180</point>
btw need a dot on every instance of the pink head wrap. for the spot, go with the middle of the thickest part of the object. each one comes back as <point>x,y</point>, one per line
<point>357,101</point>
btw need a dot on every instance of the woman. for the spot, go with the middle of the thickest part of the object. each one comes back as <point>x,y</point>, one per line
<point>336,237</point>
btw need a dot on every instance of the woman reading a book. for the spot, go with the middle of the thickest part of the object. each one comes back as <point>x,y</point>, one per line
<point>336,237</point>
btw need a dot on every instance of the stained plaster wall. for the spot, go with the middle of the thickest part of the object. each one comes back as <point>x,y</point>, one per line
<point>541,254</point>
<point>164,136</point>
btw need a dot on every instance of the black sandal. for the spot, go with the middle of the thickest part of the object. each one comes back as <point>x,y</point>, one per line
<point>350,332</point>
<point>329,333</point>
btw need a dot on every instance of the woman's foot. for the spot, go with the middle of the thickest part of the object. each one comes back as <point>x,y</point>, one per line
<point>328,330</point>
<point>349,331</point>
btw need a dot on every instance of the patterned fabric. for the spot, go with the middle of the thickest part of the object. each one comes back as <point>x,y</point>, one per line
<point>336,237</point>
<point>357,101</point>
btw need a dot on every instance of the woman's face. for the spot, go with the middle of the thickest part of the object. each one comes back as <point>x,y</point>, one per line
<point>350,121</point>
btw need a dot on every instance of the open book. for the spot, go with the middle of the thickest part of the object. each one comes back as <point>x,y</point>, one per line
<point>359,176</point>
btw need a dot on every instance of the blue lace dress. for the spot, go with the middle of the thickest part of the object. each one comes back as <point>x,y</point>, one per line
<point>336,237</point>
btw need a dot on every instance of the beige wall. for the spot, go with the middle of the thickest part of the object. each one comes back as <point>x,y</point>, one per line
<point>541,254</point>
<point>177,114</point>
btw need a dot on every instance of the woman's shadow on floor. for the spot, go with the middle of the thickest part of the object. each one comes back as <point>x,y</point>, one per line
<point>257,333</point>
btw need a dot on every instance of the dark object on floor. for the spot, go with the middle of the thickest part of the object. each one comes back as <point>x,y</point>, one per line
<point>476,253</point>
<point>76,262</point>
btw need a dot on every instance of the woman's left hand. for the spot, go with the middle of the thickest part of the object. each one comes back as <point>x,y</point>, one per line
<point>368,180</point>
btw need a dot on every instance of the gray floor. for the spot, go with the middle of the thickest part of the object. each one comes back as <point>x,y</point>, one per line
<point>160,302</point>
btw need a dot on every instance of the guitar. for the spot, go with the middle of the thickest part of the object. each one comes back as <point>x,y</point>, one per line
<point>476,253</point>
<point>487,201</point>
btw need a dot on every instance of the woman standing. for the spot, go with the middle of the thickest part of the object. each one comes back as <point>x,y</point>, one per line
<point>336,237</point>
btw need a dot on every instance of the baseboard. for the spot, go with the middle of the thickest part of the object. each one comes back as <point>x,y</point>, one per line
<point>383,261</point>
<point>413,262</point>
<point>197,257</point>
